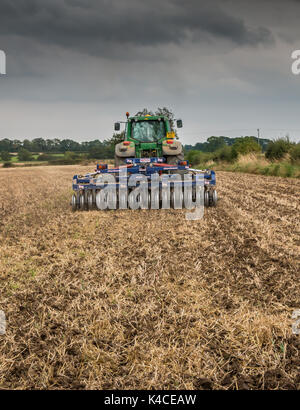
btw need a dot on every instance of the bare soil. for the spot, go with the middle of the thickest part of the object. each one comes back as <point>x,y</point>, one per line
<point>146,299</point>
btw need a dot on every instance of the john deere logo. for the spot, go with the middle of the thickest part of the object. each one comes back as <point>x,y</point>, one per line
<point>2,62</point>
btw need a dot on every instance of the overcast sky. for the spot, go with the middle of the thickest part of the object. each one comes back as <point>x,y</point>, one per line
<point>76,66</point>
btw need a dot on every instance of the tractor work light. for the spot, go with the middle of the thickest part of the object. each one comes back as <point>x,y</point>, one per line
<point>101,166</point>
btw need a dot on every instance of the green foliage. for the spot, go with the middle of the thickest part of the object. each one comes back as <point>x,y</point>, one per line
<point>211,145</point>
<point>144,112</point>
<point>226,153</point>
<point>116,138</point>
<point>214,143</point>
<point>24,155</point>
<point>281,169</point>
<point>277,149</point>
<point>192,156</point>
<point>225,157</point>
<point>7,165</point>
<point>289,170</point>
<point>56,145</point>
<point>69,158</point>
<point>198,158</point>
<point>102,150</point>
<point>5,156</point>
<point>105,149</point>
<point>295,152</point>
<point>166,112</point>
<point>41,145</point>
<point>246,145</point>
<point>45,157</point>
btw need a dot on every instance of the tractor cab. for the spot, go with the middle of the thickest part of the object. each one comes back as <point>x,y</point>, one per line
<point>148,136</point>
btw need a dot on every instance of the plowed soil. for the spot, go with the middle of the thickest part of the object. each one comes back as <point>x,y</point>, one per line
<point>147,299</point>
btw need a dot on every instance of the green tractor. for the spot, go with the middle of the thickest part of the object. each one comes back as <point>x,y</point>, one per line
<point>150,153</point>
<point>148,136</point>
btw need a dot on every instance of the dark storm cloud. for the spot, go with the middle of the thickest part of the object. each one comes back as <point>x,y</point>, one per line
<point>93,26</point>
<point>74,65</point>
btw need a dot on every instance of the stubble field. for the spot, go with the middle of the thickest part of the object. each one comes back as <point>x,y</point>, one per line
<point>146,299</point>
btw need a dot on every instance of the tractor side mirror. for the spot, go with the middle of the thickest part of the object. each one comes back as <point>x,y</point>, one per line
<point>117,126</point>
<point>179,123</point>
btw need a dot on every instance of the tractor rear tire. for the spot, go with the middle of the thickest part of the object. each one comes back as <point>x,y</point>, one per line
<point>173,160</point>
<point>119,161</point>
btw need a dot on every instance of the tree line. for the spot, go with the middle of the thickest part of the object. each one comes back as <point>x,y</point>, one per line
<point>106,147</point>
<point>214,143</point>
<point>53,145</point>
<point>92,149</point>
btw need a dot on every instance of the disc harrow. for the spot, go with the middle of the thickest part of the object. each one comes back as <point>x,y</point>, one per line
<point>144,183</point>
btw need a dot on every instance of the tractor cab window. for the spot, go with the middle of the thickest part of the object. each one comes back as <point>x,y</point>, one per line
<point>148,131</point>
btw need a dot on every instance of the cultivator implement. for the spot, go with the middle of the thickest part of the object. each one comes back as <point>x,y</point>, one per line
<point>150,172</point>
<point>144,183</point>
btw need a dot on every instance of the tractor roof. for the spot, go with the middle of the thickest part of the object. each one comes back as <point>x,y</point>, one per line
<point>147,117</point>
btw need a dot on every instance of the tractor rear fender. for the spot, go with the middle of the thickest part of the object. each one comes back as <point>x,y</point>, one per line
<point>124,151</point>
<point>172,149</point>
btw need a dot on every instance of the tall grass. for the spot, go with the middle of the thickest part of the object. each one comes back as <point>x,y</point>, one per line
<point>282,158</point>
<point>258,166</point>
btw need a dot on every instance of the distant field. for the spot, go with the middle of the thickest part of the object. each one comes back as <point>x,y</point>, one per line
<point>146,299</point>
<point>15,159</point>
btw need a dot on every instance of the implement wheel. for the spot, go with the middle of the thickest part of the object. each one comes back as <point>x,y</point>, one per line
<point>82,202</point>
<point>214,198</point>
<point>173,159</point>
<point>90,200</point>
<point>74,202</point>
